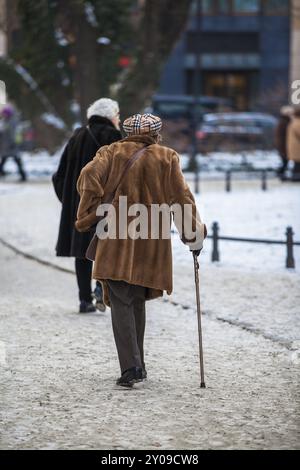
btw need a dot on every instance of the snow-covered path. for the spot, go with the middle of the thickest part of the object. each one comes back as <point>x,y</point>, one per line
<point>250,286</point>
<point>58,368</point>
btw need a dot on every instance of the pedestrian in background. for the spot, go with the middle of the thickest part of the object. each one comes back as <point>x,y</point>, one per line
<point>281,138</point>
<point>102,129</point>
<point>293,144</point>
<point>135,269</point>
<point>9,144</point>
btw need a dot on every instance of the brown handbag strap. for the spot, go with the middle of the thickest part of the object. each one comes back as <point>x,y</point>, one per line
<point>127,166</point>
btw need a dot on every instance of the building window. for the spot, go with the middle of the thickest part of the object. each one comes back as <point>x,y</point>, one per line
<point>237,87</point>
<point>276,7</point>
<point>246,6</point>
<point>207,7</point>
<point>215,7</point>
<point>228,7</point>
<point>242,7</point>
<point>224,6</point>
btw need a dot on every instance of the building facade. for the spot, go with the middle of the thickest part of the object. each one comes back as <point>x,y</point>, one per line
<point>295,41</point>
<point>244,53</point>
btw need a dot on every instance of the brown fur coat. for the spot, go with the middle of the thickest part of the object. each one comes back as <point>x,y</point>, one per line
<point>155,178</point>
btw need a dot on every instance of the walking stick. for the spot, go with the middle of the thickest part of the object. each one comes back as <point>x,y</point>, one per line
<point>196,269</point>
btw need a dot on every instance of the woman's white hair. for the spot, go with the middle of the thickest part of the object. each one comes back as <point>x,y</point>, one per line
<point>104,107</point>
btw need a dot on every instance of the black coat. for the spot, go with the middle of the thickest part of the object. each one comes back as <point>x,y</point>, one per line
<point>80,149</point>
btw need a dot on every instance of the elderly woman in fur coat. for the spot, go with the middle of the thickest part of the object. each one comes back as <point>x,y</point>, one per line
<point>135,268</point>
<point>102,129</point>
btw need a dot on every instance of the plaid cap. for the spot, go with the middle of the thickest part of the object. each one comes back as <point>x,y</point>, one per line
<point>142,124</point>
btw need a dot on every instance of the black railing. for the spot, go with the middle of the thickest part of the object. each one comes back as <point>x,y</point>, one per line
<point>263,175</point>
<point>289,242</point>
<point>260,174</point>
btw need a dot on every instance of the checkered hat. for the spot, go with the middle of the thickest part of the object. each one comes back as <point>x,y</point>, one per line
<point>142,124</point>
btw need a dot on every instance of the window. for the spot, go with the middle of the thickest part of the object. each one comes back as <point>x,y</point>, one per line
<point>235,86</point>
<point>246,6</point>
<point>276,7</point>
<point>228,7</point>
<point>207,7</point>
<point>224,6</point>
<point>214,7</point>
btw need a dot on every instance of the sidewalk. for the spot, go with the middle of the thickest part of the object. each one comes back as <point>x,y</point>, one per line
<point>58,376</point>
<point>58,368</point>
<point>250,286</point>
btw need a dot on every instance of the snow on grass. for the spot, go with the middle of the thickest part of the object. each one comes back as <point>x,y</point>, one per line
<point>41,164</point>
<point>250,286</point>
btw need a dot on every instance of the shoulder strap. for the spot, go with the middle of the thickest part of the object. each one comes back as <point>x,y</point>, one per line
<point>128,165</point>
<point>93,135</point>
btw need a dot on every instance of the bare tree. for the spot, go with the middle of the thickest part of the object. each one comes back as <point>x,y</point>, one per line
<point>84,52</point>
<point>160,26</point>
<point>60,45</point>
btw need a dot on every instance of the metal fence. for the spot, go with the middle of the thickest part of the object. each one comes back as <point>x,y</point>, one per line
<point>289,242</point>
<point>261,175</point>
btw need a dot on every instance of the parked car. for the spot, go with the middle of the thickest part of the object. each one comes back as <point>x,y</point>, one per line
<point>178,106</point>
<point>177,112</point>
<point>236,132</point>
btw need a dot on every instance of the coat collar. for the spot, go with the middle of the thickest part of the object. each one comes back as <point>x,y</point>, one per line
<point>144,139</point>
<point>100,120</point>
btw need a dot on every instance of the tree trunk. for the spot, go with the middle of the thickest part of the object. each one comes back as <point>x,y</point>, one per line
<point>161,25</point>
<point>84,53</point>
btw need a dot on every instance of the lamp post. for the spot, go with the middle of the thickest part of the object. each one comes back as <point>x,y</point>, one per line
<point>196,116</point>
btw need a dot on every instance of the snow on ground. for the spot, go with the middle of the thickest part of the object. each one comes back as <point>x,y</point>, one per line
<point>249,212</point>
<point>59,368</point>
<point>40,164</point>
<point>248,278</point>
<point>58,373</point>
<point>216,162</point>
<point>37,165</point>
<point>30,215</point>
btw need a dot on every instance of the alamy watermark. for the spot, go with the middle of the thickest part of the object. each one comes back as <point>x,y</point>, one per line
<point>295,95</point>
<point>2,93</point>
<point>153,221</point>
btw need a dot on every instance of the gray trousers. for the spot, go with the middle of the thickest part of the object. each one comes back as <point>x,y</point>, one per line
<point>128,321</point>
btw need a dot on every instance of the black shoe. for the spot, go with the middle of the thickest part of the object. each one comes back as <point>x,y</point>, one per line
<point>144,374</point>
<point>97,294</point>
<point>130,377</point>
<point>86,307</point>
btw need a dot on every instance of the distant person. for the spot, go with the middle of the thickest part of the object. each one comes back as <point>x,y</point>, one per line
<point>102,129</point>
<point>293,144</point>
<point>281,138</point>
<point>9,145</point>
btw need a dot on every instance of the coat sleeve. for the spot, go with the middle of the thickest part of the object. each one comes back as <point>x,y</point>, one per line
<point>186,217</point>
<point>58,179</point>
<point>90,186</point>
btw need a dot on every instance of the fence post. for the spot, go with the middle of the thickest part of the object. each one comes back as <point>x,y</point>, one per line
<point>228,181</point>
<point>215,256</point>
<point>264,180</point>
<point>290,262</point>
